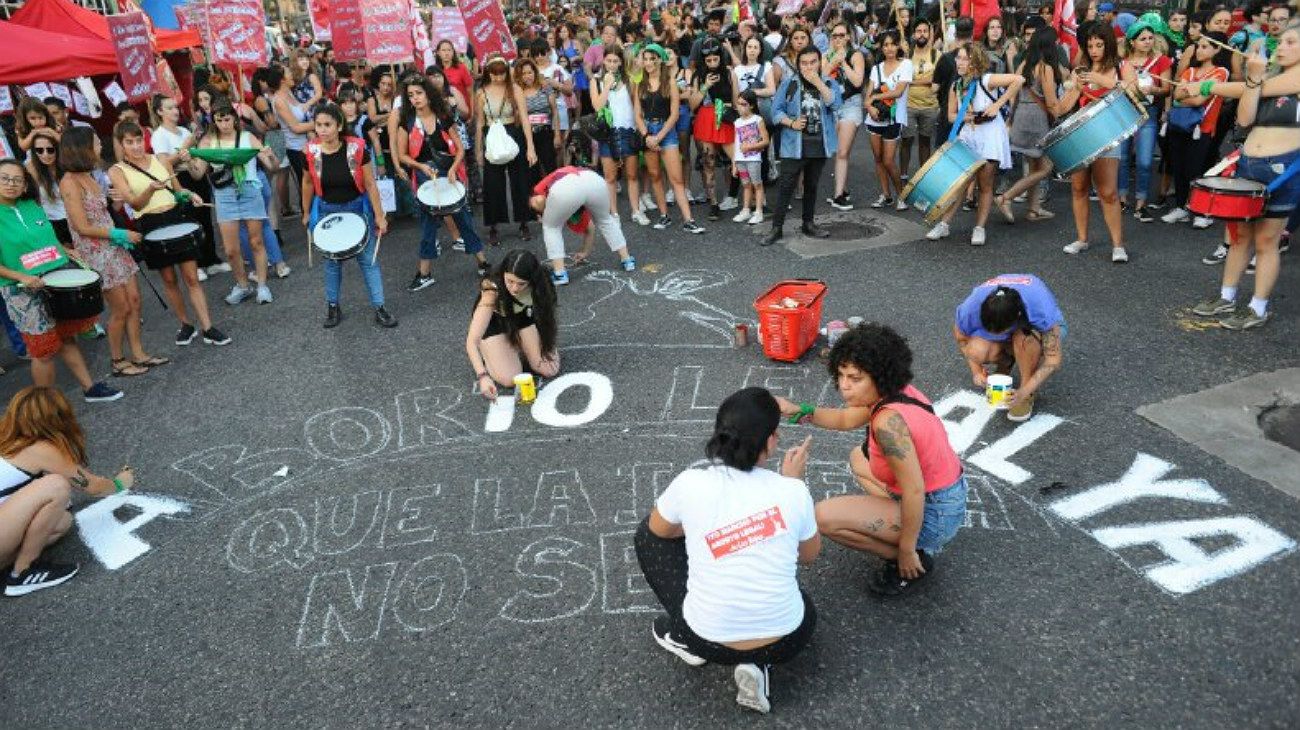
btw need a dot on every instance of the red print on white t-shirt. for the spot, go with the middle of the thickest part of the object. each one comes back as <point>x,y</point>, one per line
<point>758,527</point>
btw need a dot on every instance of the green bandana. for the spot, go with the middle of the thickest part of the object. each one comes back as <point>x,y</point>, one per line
<point>235,157</point>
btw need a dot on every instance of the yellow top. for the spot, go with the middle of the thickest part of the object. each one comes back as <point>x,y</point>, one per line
<point>161,200</point>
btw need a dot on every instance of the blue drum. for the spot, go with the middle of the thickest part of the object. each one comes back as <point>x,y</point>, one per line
<point>942,180</point>
<point>1093,131</point>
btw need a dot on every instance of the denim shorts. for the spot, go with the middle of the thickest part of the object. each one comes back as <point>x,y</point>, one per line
<point>945,512</point>
<point>623,144</point>
<point>1266,169</point>
<point>239,204</point>
<point>683,121</point>
<point>850,111</point>
<point>670,139</point>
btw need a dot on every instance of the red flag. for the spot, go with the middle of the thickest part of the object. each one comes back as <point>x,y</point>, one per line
<point>981,11</point>
<point>1066,26</point>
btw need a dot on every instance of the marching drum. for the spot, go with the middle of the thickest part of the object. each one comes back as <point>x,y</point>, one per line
<point>1228,198</point>
<point>341,236</point>
<point>171,245</point>
<point>942,180</point>
<point>73,294</point>
<point>441,196</point>
<point>1093,131</point>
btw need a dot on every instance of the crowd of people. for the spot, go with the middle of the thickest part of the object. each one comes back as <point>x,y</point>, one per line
<point>681,112</point>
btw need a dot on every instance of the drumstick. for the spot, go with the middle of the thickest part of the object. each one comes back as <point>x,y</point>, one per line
<point>311,243</point>
<point>1224,46</point>
<point>379,238</point>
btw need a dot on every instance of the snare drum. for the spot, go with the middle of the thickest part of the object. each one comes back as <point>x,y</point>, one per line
<point>441,196</point>
<point>171,245</point>
<point>341,236</point>
<point>942,179</point>
<point>73,294</point>
<point>1093,131</point>
<point>1228,198</point>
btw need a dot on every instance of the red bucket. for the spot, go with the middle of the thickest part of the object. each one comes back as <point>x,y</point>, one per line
<point>788,332</point>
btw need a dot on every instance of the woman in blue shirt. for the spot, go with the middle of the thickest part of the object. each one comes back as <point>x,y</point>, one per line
<point>1011,320</point>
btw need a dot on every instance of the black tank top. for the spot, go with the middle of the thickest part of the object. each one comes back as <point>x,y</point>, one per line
<point>654,105</point>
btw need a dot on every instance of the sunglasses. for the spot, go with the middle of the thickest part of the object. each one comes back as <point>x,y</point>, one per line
<point>44,150</point>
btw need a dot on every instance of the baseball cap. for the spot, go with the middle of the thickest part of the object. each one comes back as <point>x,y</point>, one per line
<point>1106,8</point>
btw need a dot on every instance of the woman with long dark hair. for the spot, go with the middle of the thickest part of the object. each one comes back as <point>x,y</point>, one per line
<point>542,115</point>
<point>1032,121</point>
<point>656,104</point>
<point>721,547</point>
<point>886,105</point>
<point>43,165</point>
<point>1190,127</point>
<point>711,98</point>
<point>514,324</point>
<point>1100,73</point>
<point>914,498</point>
<point>429,145</point>
<point>1145,54</point>
<point>500,100</point>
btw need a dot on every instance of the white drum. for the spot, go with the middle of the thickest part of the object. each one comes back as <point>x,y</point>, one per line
<point>441,196</point>
<point>341,236</point>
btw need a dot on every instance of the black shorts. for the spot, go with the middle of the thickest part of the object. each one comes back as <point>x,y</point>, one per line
<point>888,132</point>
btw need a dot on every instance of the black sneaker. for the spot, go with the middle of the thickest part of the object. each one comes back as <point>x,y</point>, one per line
<point>968,205</point>
<point>663,222</point>
<point>384,318</point>
<point>840,202</point>
<point>888,582</point>
<point>714,212</point>
<point>39,575</point>
<point>1157,204</point>
<point>214,336</point>
<point>420,282</point>
<point>1217,256</point>
<point>333,315</point>
<point>185,335</point>
<point>1142,214</point>
<point>692,227</point>
<point>101,393</point>
<point>484,269</point>
<point>661,630</point>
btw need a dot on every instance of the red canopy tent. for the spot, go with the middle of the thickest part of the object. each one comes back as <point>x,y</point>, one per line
<point>36,55</point>
<point>62,16</point>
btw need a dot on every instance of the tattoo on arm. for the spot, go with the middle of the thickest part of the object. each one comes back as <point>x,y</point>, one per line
<point>80,481</point>
<point>894,437</point>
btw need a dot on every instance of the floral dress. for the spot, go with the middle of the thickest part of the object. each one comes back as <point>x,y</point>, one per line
<point>113,264</point>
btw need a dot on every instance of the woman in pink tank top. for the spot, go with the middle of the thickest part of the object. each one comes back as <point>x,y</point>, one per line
<point>914,497</point>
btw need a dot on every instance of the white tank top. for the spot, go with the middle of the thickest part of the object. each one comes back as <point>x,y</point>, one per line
<point>11,479</point>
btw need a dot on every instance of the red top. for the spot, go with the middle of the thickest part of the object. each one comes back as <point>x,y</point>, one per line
<point>940,466</point>
<point>1215,104</point>
<point>458,76</point>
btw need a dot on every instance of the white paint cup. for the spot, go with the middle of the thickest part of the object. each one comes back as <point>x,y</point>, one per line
<point>854,322</point>
<point>998,391</point>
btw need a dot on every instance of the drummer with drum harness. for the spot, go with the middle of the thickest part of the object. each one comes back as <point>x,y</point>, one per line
<point>341,208</point>
<point>171,239</point>
<point>29,252</point>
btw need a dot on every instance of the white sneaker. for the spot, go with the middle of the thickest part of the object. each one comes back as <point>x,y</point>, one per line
<point>647,202</point>
<point>920,207</point>
<point>1118,255</point>
<point>1076,247</point>
<point>729,203</point>
<point>977,236</point>
<point>202,275</point>
<point>1200,222</point>
<point>670,197</point>
<point>751,687</point>
<point>220,268</point>
<point>940,230</point>
<point>756,218</point>
<point>282,270</point>
<point>742,216</point>
<point>640,218</point>
<point>901,205</point>
<point>1177,215</point>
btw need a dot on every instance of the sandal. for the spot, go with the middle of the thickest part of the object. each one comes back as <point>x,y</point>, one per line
<point>125,371</point>
<point>1039,215</point>
<point>153,361</point>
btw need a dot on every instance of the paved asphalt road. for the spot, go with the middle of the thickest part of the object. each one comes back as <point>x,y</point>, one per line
<point>325,535</point>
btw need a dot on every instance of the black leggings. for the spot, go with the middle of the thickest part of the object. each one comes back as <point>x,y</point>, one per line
<point>811,168</point>
<point>663,562</point>
<point>511,178</point>
<point>1187,160</point>
<point>202,216</point>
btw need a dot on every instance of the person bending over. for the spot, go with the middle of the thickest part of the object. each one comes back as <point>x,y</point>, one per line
<point>721,547</point>
<point>915,492</point>
<point>513,323</point>
<point>1011,320</point>
<point>42,459</point>
<point>573,196</point>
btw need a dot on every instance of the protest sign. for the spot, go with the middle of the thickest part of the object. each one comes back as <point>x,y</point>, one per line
<point>135,54</point>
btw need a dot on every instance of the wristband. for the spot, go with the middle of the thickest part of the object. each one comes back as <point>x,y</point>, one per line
<point>181,196</point>
<point>1205,87</point>
<point>119,237</point>
<point>805,412</point>
<point>117,486</point>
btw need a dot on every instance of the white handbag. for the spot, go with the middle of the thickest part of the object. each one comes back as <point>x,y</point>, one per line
<point>499,148</point>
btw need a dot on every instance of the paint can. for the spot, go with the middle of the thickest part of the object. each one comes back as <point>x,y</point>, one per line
<point>525,388</point>
<point>741,337</point>
<point>998,391</point>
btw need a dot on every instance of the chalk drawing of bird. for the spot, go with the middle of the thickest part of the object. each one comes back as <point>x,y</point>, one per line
<point>679,287</point>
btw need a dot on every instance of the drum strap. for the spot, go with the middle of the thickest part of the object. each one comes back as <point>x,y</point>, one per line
<point>961,112</point>
<point>1291,171</point>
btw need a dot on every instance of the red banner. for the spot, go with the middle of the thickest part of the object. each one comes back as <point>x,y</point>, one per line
<point>387,31</point>
<point>487,28</point>
<point>319,11</point>
<point>346,28</point>
<point>135,56</point>
<point>446,24</point>
<point>238,33</point>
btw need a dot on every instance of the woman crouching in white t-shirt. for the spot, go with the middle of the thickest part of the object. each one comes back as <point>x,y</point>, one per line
<point>721,547</point>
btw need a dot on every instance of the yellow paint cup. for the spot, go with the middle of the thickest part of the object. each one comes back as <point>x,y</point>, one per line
<point>525,388</point>
<point>998,391</point>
